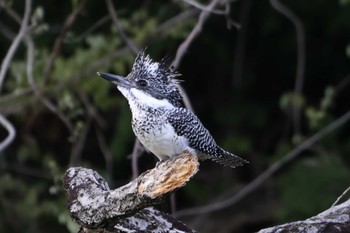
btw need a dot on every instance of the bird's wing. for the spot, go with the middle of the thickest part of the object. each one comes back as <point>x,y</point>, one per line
<point>186,124</point>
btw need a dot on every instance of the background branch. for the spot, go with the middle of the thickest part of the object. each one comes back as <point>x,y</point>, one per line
<point>37,90</point>
<point>137,150</point>
<point>11,132</point>
<point>60,39</point>
<point>184,46</point>
<point>93,27</point>
<point>240,44</point>
<point>107,154</point>
<point>3,71</point>
<point>301,58</point>
<point>204,8</point>
<point>12,50</point>
<point>119,27</point>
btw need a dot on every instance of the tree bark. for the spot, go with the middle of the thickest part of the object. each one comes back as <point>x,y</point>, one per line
<point>96,208</point>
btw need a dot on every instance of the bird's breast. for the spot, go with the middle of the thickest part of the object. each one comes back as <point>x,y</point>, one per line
<point>159,137</point>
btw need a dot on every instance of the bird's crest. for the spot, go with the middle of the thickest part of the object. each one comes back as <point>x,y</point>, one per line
<point>145,67</point>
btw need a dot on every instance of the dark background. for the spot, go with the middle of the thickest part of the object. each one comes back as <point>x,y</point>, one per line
<point>241,84</point>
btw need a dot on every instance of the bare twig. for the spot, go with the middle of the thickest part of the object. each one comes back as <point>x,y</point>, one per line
<point>78,145</point>
<point>26,170</point>
<point>185,98</point>
<point>91,110</point>
<point>194,33</point>
<point>11,132</point>
<point>7,32</point>
<point>300,68</point>
<point>342,85</point>
<point>4,67</point>
<point>188,41</point>
<point>37,91</point>
<point>107,154</point>
<point>170,24</point>
<point>13,14</point>
<point>229,21</point>
<point>93,27</point>
<point>136,152</point>
<point>341,196</point>
<point>10,53</point>
<point>204,8</point>
<point>257,182</point>
<point>58,42</point>
<point>9,103</point>
<point>239,57</point>
<point>119,27</point>
<point>93,114</point>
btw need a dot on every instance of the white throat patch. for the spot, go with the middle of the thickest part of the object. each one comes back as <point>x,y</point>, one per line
<point>147,100</point>
<point>134,95</point>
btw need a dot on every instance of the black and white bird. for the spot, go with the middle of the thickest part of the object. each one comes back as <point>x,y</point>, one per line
<point>159,119</point>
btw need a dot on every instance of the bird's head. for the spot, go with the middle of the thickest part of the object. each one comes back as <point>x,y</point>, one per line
<point>149,81</point>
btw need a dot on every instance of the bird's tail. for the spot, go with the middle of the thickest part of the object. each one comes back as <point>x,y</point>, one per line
<point>228,159</point>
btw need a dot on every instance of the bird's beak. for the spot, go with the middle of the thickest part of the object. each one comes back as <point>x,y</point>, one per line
<point>116,79</point>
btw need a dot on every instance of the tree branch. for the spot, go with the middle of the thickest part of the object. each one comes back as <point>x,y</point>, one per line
<point>335,219</point>
<point>4,67</point>
<point>300,67</point>
<point>11,133</point>
<point>203,8</point>
<point>11,52</point>
<point>341,196</point>
<point>194,33</point>
<point>188,41</point>
<point>119,27</point>
<point>136,152</point>
<point>94,206</point>
<point>240,44</point>
<point>107,154</point>
<point>92,28</point>
<point>60,39</point>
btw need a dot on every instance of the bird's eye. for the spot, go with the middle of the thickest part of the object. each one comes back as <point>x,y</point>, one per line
<point>142,83</point>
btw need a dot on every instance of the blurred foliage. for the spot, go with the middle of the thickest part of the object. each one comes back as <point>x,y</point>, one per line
<point>249,114</point>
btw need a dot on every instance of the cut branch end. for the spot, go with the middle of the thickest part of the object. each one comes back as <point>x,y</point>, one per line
<point>168,175</point>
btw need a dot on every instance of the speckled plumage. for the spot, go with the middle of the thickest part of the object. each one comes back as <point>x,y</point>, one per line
<point>159,119</point>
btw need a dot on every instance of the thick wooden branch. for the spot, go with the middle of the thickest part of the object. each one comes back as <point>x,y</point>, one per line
<point>95,207</point>
<point>335,219</point>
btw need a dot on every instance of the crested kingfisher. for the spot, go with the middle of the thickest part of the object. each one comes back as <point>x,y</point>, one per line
<point>159,118</point>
